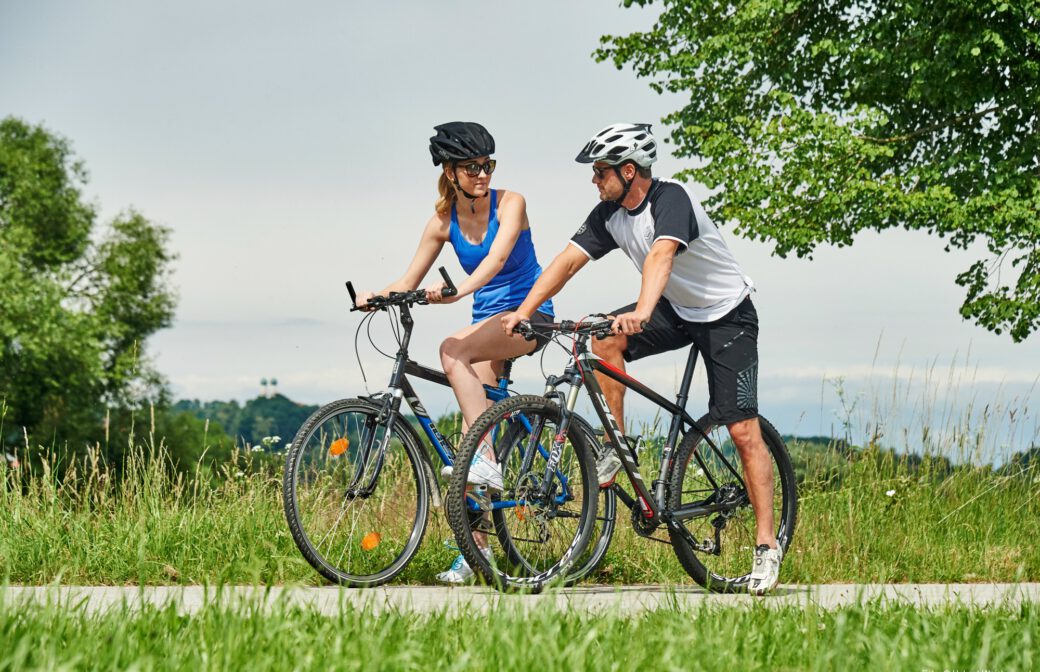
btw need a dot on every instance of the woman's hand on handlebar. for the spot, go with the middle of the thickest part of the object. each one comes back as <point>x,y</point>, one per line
<point>435,293</point>
<point>362,301</point>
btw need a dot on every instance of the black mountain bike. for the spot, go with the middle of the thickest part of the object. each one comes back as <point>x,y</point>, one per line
<point>359,483</point>
<point>699,496</point>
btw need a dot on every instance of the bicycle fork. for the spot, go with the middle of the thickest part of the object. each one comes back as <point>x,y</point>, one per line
<point>557,443</point>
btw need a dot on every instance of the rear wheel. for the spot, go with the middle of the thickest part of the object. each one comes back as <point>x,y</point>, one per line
<point>352,534</point>
<point>705,474</point>
<point>524,535</point>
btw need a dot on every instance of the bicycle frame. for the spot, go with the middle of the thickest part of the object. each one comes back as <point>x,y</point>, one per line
<point>437,440</point>
<point>400,387</point>
<point>652,503</point>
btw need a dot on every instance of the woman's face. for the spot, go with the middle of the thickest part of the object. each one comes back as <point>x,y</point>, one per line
<point>474,175</point>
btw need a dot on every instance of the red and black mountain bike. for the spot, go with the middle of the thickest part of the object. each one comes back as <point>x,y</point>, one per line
<point>699,497</point>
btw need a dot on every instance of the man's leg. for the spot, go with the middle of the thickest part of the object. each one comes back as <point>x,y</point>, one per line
<point>663,332</point>
<point>758,473</point>
<point>612,351</point>
<point>729,347</point>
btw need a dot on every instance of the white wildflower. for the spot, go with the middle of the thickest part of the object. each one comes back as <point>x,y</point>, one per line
<point>890,493</point>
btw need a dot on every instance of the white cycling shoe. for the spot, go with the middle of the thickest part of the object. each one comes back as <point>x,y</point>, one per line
<point>482,471</point>
<point>460,572</point>
<point>765,571</point>
<point>608,464</point>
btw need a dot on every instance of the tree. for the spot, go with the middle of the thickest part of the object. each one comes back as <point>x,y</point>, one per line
<point>818,119</point>
<point>77,303</point>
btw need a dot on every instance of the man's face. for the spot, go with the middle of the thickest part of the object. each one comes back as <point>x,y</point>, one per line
<point>605,177</point>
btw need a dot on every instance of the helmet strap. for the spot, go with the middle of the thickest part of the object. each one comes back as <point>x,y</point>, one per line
<point>471,197</point>
<point>627,183</point>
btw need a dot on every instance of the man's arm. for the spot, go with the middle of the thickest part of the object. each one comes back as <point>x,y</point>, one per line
<point>656,270</point>
<point>551,281</point>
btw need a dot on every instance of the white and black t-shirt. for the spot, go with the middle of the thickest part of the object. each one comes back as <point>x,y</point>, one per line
<point>706,281</point>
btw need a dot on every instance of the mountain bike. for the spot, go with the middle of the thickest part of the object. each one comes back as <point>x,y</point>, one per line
<point>699,496</point>
<point>359,483</point>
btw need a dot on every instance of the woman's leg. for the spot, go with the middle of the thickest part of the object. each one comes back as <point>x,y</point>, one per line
<point>471,357</point>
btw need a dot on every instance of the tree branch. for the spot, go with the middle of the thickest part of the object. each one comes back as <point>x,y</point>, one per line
<point>934,127</point>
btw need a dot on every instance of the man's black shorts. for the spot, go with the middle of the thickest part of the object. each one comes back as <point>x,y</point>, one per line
<point>728,346</point>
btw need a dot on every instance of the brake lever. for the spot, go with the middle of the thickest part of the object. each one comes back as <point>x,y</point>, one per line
<point>525,329</point>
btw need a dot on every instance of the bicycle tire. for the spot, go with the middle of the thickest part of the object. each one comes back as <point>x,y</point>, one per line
<point>722,572</point>
<point>606,512</point>
<point>378,549</point>
<point>576,463</point>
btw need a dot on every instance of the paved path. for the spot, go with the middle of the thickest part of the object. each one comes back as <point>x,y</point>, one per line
<point>597,599</point>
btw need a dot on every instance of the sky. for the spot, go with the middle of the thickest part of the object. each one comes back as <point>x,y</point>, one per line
<point>285,147</point>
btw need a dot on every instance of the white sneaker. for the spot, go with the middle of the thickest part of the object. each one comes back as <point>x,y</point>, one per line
<point>765,572</point>
<point>483,471</point>
<point>608,464</point>
<point>460,572</point>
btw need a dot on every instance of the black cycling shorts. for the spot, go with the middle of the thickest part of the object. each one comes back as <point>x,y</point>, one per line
<point>728,346</point>
<point>539,339</point>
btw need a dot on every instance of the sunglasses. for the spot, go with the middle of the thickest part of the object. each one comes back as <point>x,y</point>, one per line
<point>600,173</point>
<point>473,168</point>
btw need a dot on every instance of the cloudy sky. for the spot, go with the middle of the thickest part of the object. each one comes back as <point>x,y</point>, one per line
<point>284,144</point>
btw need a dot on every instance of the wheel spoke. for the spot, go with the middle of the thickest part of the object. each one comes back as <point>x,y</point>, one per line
<point>349,538</point>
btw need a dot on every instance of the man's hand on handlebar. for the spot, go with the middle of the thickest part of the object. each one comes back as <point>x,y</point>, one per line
<point>630,323</point>
<point>510,322</point>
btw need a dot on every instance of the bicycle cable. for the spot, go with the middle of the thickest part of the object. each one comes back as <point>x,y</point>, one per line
<point>372,342</point>
<point>394,324</point>
<point>357,351</point>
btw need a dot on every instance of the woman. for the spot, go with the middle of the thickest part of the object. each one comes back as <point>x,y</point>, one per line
<point>489,231</point>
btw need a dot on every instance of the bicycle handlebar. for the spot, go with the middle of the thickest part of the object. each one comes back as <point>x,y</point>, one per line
<point>600,329</point>
<point>414,297</point>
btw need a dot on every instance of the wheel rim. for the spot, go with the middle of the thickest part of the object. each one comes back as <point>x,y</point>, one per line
<point>737,537</point>
<point>356,534</point>
<point>531,536</point>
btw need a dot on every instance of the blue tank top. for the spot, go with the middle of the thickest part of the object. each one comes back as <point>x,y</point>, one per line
<point>508,289</point>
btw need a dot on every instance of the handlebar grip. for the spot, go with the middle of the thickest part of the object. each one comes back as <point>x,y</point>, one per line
<point>353,294</point>
<point>524,328</point>
<point>451,289</point>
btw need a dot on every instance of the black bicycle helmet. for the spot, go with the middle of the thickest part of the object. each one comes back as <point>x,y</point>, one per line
<point>460,140</point>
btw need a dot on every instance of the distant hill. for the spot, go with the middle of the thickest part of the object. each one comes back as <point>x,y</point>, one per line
<point>253,421</point>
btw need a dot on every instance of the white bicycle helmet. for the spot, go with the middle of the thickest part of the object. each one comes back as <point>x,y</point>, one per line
<point>618,143</point>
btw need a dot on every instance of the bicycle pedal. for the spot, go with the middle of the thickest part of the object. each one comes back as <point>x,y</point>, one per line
<point>480,495</point>
<point>479,521</point>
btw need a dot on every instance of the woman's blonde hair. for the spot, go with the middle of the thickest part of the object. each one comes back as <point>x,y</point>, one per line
<point>448,195</point>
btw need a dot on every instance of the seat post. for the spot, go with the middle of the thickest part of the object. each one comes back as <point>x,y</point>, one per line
<point>507,370</point>
<point>684,387</point>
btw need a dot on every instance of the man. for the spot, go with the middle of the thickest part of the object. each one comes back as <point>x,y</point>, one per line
<point>693,292</point>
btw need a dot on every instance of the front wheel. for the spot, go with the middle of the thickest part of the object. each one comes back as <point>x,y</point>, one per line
<point>510,453</point>
<point>711,474</point>
<point>356,496</point>
<point>529,529</point>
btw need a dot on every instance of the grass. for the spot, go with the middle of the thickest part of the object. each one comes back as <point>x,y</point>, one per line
<point>277,637</point>
<point>885,520</point>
